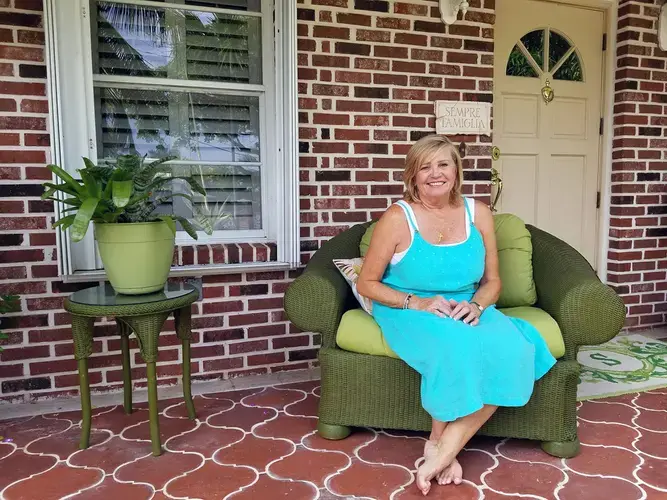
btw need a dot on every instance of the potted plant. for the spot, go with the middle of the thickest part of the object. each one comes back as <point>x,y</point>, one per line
<point>135,243</point>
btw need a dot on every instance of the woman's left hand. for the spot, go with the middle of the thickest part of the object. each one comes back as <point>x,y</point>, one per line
<point>470,313</point>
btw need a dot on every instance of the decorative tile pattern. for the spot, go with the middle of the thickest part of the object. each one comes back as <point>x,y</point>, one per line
<point>262,444</point>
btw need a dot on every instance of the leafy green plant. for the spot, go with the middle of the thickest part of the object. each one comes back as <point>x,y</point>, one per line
<point>130,190</point>
<point>8,303</point>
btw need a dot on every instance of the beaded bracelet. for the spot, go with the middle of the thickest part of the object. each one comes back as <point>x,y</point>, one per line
<point>407,301</point>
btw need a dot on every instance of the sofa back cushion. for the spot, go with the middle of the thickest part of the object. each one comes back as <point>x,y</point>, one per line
<point>366,240</point>
<point>515,259</point>
<point>515,262</point>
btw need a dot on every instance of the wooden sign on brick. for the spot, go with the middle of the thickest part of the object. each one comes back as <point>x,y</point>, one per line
<point>462,118</point>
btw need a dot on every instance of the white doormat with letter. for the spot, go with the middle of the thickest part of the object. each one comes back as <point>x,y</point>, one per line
<point>625,364</point>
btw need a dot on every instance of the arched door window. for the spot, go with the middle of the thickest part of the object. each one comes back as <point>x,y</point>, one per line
<point>545,51</point>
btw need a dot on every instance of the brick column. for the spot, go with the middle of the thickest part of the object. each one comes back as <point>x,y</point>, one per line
<point>638,232</point>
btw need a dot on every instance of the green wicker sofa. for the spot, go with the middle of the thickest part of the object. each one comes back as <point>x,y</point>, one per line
<point>367,390</point>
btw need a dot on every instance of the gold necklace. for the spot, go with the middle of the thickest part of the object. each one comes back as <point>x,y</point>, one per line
<point>441,236</point>
<point>446,228</point>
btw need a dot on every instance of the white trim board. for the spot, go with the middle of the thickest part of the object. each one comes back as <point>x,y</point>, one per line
<point>611,18</point>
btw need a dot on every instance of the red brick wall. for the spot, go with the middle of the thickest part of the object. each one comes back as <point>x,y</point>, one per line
<point>27,246</point>
<point>638,234</point>
<point>368,76</point>
<point>239,326</point>
<point>369,72</point>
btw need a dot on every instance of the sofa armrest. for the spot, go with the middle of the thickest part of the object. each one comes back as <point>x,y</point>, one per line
<point>587,311</point>
<point>316,301</point>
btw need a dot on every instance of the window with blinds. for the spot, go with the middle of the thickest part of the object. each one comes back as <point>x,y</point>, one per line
<point>186,80</point>
<point>211,83</point>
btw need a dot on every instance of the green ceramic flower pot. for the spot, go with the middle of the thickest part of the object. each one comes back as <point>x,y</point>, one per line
<point>136,256</point>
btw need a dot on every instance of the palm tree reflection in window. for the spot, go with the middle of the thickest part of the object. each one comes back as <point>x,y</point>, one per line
<point>191,125</point>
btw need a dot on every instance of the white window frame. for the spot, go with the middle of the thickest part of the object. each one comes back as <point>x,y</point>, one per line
<point>73,126</point>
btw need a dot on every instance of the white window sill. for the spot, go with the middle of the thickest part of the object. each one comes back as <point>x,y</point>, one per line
<point>190,271</point>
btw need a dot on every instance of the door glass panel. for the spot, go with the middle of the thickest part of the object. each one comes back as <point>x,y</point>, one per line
<point>570,70</point>
<point>529,57</point>
<point>558,47</point>
<point>518,65</point>
<point>534,43</point>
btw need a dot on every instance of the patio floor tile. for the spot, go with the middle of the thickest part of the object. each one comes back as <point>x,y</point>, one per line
<point>369,480</point>
<point>109,488</point>
<point>109,455</point>
<point>617,462</point>
<point>319,466</point>
<point>205,440</point>
<point>267,487</point>
<point>149,471</point>
<point>254,452</point>
<point>53,484</point>
<point>241,417</point>
<point>601,488</point>
<point>20,465</point>
<point>211,480</point>
<point>262,444</point>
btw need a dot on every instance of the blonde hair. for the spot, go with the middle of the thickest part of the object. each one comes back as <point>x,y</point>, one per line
<point>420,152</point>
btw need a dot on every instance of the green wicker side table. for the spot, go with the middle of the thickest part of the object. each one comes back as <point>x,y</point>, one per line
<point>144,315</point>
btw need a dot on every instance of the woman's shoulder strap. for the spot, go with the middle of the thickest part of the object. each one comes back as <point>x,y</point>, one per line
<point>470,208</point>
<point>409,214</point>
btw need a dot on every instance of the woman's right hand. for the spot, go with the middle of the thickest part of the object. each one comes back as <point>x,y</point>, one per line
<point>437,305</point>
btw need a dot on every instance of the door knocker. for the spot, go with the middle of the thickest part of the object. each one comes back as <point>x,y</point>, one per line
<point>547,92</point>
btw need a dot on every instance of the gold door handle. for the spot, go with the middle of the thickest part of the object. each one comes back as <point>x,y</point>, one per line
<point>496,181</point>
<point>495,178</point>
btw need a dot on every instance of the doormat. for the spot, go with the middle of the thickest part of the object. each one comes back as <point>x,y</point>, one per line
<point>625,364</point>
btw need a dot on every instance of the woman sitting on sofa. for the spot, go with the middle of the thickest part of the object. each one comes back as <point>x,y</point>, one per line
<point>431,271</point>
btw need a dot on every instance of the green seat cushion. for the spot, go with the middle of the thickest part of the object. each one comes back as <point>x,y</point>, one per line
<point>545,324</point>
<point>359,332</point>
<point>515,262</point>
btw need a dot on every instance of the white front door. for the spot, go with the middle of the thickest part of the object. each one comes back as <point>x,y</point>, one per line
<point>547,110</point>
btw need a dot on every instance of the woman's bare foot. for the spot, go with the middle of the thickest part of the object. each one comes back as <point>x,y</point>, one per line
<point>430,448</point>
<point>453,473</point>
<point>436,461</point>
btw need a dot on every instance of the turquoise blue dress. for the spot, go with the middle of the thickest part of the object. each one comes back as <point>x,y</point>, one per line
<point>462,367</point>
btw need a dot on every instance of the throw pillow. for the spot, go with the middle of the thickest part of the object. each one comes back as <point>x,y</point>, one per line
<point>350,269</point>
<point>515,262</point>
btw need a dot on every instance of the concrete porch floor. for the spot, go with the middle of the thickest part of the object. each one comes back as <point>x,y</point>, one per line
<point>260,443</point>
